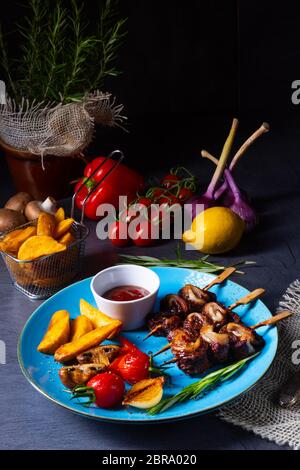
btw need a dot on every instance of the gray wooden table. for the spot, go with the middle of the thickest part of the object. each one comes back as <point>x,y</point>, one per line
<point>29,421</point>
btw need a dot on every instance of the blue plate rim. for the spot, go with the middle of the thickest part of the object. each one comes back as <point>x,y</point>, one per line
<point>131,421</point>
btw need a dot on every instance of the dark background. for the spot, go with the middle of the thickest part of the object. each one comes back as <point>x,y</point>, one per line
<point>189,67</point>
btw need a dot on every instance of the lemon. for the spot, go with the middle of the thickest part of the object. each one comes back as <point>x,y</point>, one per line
<point>215,230</point>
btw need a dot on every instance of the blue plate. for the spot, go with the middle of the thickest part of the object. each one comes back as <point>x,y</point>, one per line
<point>42,371</point>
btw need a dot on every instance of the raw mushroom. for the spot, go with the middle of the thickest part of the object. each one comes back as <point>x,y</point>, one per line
<point>18,202</point>
<point>10,219</point>
<point>34,208</point>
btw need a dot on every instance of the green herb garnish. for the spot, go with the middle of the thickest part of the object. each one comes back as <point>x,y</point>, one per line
<point>197,389</point>
<point>201,264</point>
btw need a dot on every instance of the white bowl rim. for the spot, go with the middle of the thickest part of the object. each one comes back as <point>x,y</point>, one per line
<point>126,266</point>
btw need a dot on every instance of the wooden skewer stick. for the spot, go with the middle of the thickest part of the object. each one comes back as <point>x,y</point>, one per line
<point>165,348</point>
<point>170,361</point>
<point>151,332</point>
<point>243,301</point>
<point>248,298</point>
<point>221,278</point>
<point>271,321</point>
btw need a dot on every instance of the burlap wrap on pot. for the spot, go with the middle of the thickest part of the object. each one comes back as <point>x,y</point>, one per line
<point>258,409</point>
<point>59,130</point>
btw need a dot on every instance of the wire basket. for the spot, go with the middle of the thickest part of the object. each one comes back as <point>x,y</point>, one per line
<point>42,277</point>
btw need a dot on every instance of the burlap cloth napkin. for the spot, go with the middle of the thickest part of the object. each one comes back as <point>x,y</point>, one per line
<point>257,410</point>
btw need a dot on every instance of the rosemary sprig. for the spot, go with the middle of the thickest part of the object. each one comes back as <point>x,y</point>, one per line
<point>110,36</point>
<point>57,28</point>
<point>33,48</point>
<point>201,264</point>
<point>64,54</point>
<point>197,389</point>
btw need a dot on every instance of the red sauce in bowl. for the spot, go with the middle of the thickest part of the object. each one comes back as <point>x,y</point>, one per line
<point>125,293</point>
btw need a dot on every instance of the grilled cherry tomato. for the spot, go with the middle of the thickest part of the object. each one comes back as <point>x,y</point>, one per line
<point>105,390</point>
<point>128,346</point>
<point>132,367</point>
<point>116,233</point>
<point>170,180</point>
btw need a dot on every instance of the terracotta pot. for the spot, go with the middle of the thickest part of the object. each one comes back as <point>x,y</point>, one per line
<point>28,175</point>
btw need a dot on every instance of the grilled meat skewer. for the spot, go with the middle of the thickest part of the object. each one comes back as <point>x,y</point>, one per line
<point>243,340</point>
<point>191,356</point>
<point>216,313</point>
<point>190,298</point>
<point>160,324</point>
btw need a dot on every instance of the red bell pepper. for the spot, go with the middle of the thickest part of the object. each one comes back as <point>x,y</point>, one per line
<point>123,181</point>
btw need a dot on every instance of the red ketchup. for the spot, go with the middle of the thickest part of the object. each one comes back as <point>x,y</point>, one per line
<point>125,293</point>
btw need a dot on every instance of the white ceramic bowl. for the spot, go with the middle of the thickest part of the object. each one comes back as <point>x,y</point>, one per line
<point>132,313</point>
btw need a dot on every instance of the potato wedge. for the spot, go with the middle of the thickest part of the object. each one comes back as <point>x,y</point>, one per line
<point>62,228</point>
<point>12,234</point>
<point>93,338</point>
<point>80,326</point>
<point>60,215</point>
<point>37,246</point>
<point>57,334</point>
<point>97,318</point>
<point>67,239</point>
<point>11,244</point>
<point>46,224</point>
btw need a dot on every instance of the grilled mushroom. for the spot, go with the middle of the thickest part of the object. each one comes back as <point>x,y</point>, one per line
<point>71,376</point>
<point>101,354</point>
<point>218,344</point>
<point>195,297</point>
<point>174,304</point>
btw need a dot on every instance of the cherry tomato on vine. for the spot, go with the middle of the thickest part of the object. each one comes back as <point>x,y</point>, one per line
<point>184,194</point>
<point>158,213</point>
<point>118,233</point>
<point>142,236</point>
<point>170,180</point>
<point>157,193</point>
<point>168,199</point>
<point>145,201</point>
